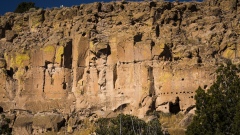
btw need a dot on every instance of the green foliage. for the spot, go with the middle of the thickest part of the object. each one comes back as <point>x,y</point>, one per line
<point>236,121</point>
<point>4,126</point>
<point>217,110</point>
<point>25,6</point>
<point>153,128</point>
<point>127,125</point>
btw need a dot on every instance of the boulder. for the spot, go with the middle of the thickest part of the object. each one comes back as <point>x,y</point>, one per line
<point>2,63</point>
<point>107,7</point>
<point>48,122</point>
<point>10,35</point>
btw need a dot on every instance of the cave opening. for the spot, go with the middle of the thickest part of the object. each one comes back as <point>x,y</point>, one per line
<point>157,31</point>
<point>49,129</point>
<point>84,34</point>
<point>26,68</point>
<point>64,85</point>
<point>137,38</point>
<point>1,109</point>
<point>10,72</point>
<point>174,108</point>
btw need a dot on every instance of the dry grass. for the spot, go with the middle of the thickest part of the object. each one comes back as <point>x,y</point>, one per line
<point>171,122</point>
<point>176,131</point>
<point>87,128</point>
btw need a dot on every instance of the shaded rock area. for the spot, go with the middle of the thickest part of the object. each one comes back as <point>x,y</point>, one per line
<point>60,66</point>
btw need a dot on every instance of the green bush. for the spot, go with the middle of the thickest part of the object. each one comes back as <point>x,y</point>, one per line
<point>127,125</point>
<point>217,110</point>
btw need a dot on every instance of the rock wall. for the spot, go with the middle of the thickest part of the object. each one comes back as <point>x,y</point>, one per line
<point>102,59</point>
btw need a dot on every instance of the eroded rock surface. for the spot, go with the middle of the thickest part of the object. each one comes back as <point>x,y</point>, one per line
<point>62,65</point>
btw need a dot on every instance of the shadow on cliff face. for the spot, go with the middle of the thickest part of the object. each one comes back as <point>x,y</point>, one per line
<point>104,51</point>
<point>166,54</point>
<point>121,107</point>
<point>68,55</point>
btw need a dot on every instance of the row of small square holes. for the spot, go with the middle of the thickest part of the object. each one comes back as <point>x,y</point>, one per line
<point>177,93</point>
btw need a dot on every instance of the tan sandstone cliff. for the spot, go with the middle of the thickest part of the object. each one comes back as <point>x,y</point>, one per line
<point>62,65</point>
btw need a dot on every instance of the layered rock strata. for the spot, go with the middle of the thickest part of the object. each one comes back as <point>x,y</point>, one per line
<point>101,59</point>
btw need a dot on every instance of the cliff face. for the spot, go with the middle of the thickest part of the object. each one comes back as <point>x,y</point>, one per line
<point>100,59</point>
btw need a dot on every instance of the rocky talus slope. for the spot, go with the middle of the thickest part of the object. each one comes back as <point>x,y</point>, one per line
<point>60,66</point>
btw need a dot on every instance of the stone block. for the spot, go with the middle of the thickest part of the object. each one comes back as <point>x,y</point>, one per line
<point>142,51</point>
<point>55,85</point>
<point>33,86</point>
<point>51,122</point>
<point>49,53</point>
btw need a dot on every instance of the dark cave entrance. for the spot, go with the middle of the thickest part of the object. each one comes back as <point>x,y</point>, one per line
<point>64,85</point>
<point>174,108</point>
<point>1,109</point>
<point>10,72</point>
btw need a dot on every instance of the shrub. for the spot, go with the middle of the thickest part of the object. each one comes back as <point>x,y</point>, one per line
<point>25,6</point>
<point>4,126</point>
<point>127,125</point>
<point>217,110</point>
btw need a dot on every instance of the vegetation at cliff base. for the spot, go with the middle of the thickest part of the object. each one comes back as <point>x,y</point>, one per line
<point>4,126</point>
<point>25,6</point>
<point>218,109</point>
<point>127,125</point>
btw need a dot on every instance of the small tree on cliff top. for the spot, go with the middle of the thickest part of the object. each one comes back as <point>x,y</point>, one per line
<point>217,110</point>
<point>25,6</point>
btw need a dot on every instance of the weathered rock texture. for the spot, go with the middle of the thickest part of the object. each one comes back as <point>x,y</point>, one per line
<point>63,64</point>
